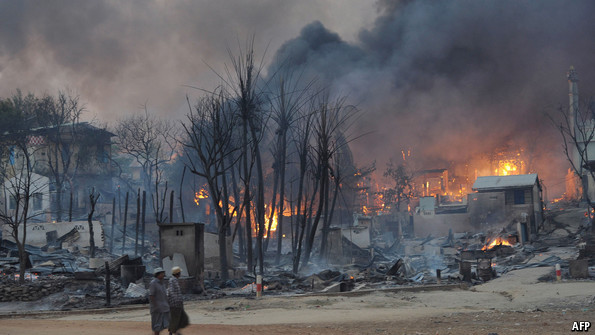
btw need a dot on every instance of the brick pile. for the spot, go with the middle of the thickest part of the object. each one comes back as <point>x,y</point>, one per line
<point>11,290</point>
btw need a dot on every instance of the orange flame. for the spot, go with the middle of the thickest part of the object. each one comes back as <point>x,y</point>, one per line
<point>202,194</point>
<point>273,225</point>
<point>497,241</point>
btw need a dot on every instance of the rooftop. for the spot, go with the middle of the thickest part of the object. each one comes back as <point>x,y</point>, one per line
<point>500,182</point>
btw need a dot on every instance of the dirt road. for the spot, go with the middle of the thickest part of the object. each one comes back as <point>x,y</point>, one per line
<point>484,323</point>
<point>515,303</point>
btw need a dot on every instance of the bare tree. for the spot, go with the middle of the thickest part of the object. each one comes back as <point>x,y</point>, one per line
<point>61,116</point>
<point>93,198</point>
<point>577,129</point>
<point>150,142</point>
<point>302,140</point>
<point>210,129</point>
<point>288,99</point>
<point>241,80</point>
<point>333,119</point>
<point>17,164</point>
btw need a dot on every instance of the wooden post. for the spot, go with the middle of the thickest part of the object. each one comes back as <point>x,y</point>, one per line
<point>124,228</point>
<point>171,207</point>
<point>108,297</point>
<point>258,286</point>
<point>70,208</point>
<point>119,205</point>
<point>137,222</point>
<point>180,197</point>
<point>111,240</point>
<point>142,248</point>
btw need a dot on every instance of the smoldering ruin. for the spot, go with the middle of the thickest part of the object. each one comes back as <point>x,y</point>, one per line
<point>417,157</point>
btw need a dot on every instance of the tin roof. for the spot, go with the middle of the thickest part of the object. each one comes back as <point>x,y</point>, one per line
<point>500,182</point>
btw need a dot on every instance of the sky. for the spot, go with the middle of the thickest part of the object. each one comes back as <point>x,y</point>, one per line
<point>120,55</point>
<point>445,79</point>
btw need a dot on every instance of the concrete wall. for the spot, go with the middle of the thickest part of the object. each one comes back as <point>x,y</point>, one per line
<point>212,252</point>
<point>37,233</point>
<point>438,225</point>
<point>335,247</point>
<point>186,239</point>
<point>488,207</point>
<point>359,235</point>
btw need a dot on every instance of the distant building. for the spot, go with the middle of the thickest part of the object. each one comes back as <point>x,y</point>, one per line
<point>80,149</point>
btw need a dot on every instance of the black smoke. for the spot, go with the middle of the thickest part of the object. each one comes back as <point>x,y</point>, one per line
<point>454,79</point>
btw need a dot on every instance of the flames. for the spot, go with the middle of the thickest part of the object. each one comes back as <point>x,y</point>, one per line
<point>202,194</point>
<point>273,225</point>
<point>509,167</point>
<point>498,241</point>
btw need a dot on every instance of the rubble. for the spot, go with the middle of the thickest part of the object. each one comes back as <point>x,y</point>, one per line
<point>69,276</point>
<point>33,290</point>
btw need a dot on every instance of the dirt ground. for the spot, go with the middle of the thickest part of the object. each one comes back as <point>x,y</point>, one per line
<point>515,303</point>
<point>531,323</point>
<point>528,301</point>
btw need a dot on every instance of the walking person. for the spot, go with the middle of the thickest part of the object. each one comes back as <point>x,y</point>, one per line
<point>158,302</point>
<point>178,317</point>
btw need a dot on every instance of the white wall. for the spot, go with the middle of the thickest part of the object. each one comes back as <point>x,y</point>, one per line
<point>36,233</point>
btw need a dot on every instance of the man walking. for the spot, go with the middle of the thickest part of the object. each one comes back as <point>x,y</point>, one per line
<point>179,318</point>
<point>158,302</point>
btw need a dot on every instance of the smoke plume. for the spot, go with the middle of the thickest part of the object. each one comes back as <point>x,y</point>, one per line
<point>446,79</point>
<point>453,79</point>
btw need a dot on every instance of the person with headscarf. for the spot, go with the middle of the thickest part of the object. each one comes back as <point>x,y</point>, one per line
<point>158,302</point>
<point>178,317</point>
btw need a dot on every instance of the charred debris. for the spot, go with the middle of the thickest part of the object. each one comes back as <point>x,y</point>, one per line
<point>61,275</point>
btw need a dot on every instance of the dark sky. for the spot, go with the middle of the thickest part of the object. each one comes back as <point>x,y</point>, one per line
<point>454,79</point>
<point>447,79</point>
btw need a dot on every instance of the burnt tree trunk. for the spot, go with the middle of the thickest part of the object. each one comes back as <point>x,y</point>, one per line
<point>137,222</point>
<point>93,200</point>
<point>144,210</point>
<point>180,197</point>
<point>124,226</point>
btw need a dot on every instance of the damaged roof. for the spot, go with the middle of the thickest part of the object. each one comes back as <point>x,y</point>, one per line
<point>500,182</point>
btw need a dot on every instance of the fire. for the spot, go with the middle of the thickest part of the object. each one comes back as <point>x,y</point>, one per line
<point>495,242</point>
<point>252,287</point>
<point>232,212</point>
<point>509,167</point>
<point>202,194</point>
<point>365,210</point>
<point>273,225</point>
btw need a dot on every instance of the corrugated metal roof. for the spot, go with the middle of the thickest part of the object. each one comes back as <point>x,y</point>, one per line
<point>499,182</point>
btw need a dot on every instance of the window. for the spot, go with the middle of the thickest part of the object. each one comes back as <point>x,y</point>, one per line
<point>519,197</point>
